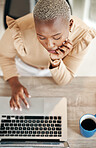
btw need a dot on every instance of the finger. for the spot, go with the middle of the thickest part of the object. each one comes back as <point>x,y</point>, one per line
<point>26,93</point>
<point>54,56</point>
<point>61,53</point>
<point>67,45</point>
<point>63,49</point>
<point>68,41</point>
<point>16,99</point>
<point>13,104</point>
<point>24,100</point>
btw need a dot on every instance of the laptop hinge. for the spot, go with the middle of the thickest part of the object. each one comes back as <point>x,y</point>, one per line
<point>34,143</point>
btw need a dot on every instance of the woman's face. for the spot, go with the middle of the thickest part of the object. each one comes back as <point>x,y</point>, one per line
<point>51,34</point>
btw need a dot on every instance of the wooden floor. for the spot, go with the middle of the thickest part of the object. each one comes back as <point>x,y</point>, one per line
<point>81,99</point>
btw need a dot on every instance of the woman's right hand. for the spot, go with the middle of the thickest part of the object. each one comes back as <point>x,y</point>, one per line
<point>18,92</point>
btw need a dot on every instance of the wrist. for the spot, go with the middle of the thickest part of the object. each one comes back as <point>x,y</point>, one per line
<point>13,81</point>
<point>54,63</point>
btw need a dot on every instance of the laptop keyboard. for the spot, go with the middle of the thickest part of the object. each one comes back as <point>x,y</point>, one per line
<point>31,126</point>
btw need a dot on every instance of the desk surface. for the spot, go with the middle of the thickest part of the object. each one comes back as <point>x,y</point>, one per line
<point>81,99</point>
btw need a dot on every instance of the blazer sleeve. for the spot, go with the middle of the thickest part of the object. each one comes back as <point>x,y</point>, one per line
<point>7,56</point>
<point>66,71</point>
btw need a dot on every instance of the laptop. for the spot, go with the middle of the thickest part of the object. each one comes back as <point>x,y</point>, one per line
<point>44,124</point>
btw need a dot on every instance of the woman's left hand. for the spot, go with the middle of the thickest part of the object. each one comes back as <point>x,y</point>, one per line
<point>62,51</point>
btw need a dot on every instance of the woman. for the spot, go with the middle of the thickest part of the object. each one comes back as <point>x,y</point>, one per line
<point>51,38</point>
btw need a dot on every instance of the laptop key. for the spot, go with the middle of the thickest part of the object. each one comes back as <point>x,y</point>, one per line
<point>45,128</point>
<point>46,117</point>
<point>2,135</point>
<point>34,132</point>
<point>51,117</point>
<point>9,132</point>
<point>59,135</point>
<point>49,128</point>
<point>58,128</point>
<point>3,132</point>
<point>16,128</point>
<point>32,128</point>
<point>55,117</point>
<point>27,124</point>
<point>36,128</point>
<point>21,117</point>
<point>50,121</point>
<point>54,121</point>
<point>58,121</point>
<point>8,117</point>
<point>26,132</point>
<point>28,128</point>
<point>34,117</point>
<point>59,132</point>
<point>38,121</point>
<point>46,121</point>
<point>58,125</point>
<point>30,132</point>
<point>43,132</point>
<point>4,121</point>
<point>17,121</point>
<point>2,128</point>
<point>13,121</point>
<point>55,132</point>
<point>51,132</point>
<point>20,128</point>
<point>22,132</point>
<point>47,132</point>
<point>59,117</point>
<point>48,125</point>
<point>53,128</point>
<point>38,132</point>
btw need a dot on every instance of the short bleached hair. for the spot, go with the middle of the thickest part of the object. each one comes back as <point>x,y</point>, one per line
<point>51,9</point>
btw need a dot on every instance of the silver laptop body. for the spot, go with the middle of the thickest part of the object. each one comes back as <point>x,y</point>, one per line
<point>45,122</point>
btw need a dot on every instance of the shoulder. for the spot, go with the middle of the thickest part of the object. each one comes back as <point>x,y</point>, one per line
<point>17,27</point>
<point>78,22</point>
<point>25,22</point>
<point>81,34</point>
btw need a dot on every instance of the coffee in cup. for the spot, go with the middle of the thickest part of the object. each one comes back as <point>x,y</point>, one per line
<point>87,125</point>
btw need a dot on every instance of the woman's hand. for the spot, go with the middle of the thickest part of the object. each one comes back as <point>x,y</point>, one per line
<point>62,51</point>
<point>18,92</point>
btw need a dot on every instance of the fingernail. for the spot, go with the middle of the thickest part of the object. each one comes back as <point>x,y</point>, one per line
<point>27,105</point>
<point>29,96</point>
<point>11,108</point>
<point>15,108</point>
<point>20,109</point>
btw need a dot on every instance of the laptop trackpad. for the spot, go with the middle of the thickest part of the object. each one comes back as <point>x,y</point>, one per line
<point>36,106</point>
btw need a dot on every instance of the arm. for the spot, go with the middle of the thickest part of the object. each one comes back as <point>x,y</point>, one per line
<point>18,91</point>
<point>58,69</point>
<point>61,74</point>
<point>64,73</point>
<point>8,66</point>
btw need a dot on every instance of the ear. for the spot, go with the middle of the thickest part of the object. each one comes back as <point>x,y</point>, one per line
<point>70,24</point>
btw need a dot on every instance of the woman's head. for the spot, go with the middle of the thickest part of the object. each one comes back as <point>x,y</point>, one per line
<point>52,22</point>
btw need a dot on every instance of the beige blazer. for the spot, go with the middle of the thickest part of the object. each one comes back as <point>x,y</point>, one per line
<point>20,40</point>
